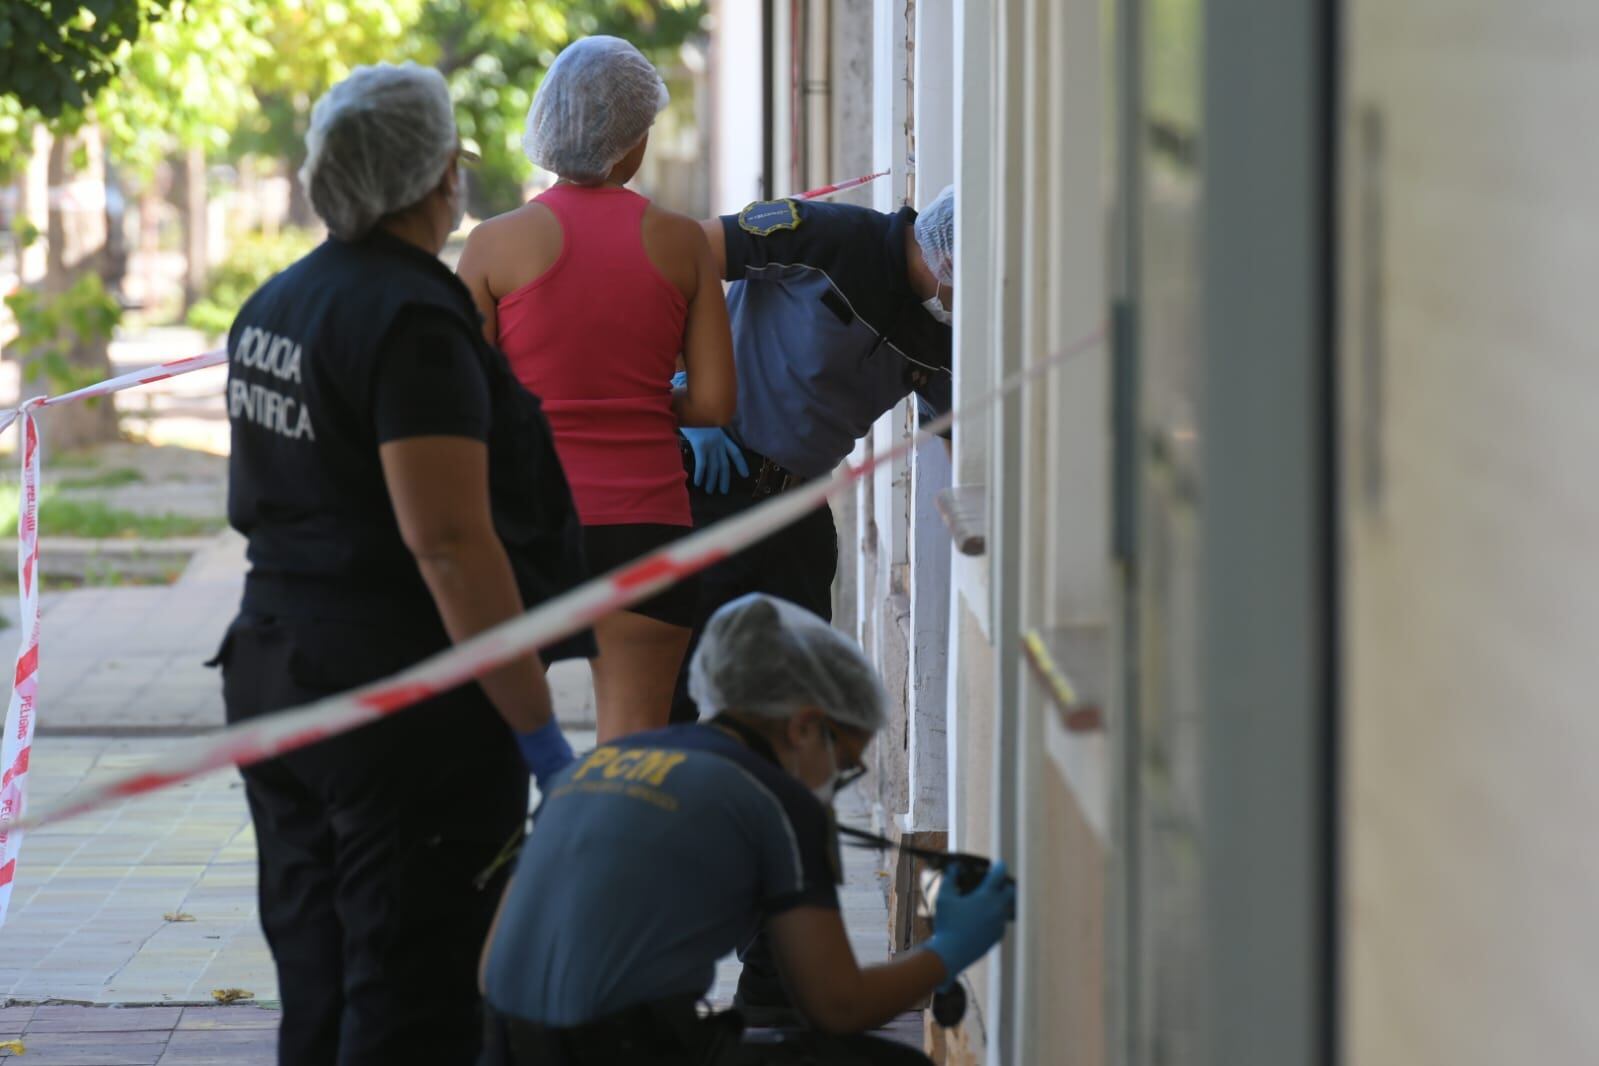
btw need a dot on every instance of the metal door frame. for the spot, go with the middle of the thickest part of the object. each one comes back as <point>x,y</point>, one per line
<point>1268,615</point>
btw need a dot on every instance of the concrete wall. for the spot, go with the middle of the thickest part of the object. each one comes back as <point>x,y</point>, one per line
<point>930,467</point>
<point>736,148</point>
<point>1031,285</point>
<point>1470,387</point>
<point>849,63</point>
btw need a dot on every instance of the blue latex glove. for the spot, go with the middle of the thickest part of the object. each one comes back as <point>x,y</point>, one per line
<point>965,927</point>
<point>715,456</point>
<point>545,751</point>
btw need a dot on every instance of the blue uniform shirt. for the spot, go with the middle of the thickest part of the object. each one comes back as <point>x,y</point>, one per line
<point>650,859</point>
<point>827,334</point>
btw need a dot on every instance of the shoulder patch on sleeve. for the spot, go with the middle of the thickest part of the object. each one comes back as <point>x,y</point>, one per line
<point>765,217</point>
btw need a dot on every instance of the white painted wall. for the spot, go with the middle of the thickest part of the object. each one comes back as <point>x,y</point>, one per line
<point>934,62</point>
<point>1471,519</point>
<point>973,137</point>
<point>736,110</point>
<point>891,483</point>
<point>930,546</point>
<point>784,180</point>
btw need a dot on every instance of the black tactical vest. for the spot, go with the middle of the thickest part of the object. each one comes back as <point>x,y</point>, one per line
<point>305,483</point>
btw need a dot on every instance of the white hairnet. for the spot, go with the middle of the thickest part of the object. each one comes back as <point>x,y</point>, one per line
<point>598,99</point>
<point>767,657</point>
<point>935,233</point>
<point>379,141</point>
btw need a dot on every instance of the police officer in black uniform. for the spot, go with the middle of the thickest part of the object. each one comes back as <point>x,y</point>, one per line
<point>400,491</point>
<point>838,313</point>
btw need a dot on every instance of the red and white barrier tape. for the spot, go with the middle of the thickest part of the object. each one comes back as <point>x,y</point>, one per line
<point>132,379</point>
<point>829,190</point>
<point>16,746</point>
<point>277,734</point>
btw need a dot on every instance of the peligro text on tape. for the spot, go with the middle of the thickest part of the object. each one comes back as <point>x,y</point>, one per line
<point>281,732</point>
<point>16,747</point>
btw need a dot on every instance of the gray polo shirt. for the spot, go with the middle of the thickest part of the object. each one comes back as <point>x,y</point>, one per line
<point>652,858</point>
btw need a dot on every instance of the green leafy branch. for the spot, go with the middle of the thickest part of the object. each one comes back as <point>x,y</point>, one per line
<point>51,326</point>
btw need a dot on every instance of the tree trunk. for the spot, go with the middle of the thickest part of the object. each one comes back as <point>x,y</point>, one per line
<point>115,273</point>
<point>192,209</point>
<point>77,238</point>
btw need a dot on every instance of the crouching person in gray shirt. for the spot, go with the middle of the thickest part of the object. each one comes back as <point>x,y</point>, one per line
<point>661,852</point>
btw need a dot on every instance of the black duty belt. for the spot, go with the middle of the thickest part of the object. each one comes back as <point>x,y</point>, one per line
<point>767,477</point>
<point>770,478</point>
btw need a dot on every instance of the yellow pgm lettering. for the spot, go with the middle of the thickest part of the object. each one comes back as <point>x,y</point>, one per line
<point>655,768</point>
<point>622,762</point>
<point>597,758</point>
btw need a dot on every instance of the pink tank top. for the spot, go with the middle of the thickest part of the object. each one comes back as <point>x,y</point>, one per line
<point>596,338</point>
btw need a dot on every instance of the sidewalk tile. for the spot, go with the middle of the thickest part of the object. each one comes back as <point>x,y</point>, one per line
<point>77,1019</point>
<point>207,1018</point>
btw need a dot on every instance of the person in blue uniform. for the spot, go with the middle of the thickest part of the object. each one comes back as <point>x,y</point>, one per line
<point>654,856</point>
<point>399,491</point>
<point>838,312</point>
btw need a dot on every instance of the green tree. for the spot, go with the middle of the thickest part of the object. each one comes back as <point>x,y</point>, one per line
<point>495,52</point>
<point>191,80</point>
<point>308,46</point>
<point>141,80</point>
<point>58,56</point>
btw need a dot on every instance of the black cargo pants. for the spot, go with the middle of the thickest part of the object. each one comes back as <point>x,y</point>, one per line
<point>368,847</point>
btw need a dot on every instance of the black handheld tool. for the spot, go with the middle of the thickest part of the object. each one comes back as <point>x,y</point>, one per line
<point>969,869</point>
<point>949,1002</point>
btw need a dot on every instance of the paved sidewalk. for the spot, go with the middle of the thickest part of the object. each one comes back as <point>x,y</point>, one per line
<point>59,1035</point>
<point>131,661</point>
<point>152,902</point>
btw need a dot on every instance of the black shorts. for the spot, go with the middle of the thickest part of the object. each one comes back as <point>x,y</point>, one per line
<point>608,547</point>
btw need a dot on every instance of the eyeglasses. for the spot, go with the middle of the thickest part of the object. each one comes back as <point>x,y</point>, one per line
<point>466,156</point>
<point>843,778</point>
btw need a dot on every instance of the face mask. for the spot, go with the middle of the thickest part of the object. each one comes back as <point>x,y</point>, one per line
<point>936,308</point>
<point>826,792</point>
<point>458,199</point>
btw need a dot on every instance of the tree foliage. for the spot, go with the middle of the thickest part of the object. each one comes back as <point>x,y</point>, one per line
<point>58,56</point>
<point>51,327</point>
<point>495,52</point>
<point>250,262</point>
<point>238,77</point>
<point>185,83</point>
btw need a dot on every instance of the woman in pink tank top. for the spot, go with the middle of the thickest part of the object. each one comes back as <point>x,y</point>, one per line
<point>595,295</point>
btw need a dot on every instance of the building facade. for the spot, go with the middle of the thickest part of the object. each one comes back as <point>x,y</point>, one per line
<point>1251,630</point>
